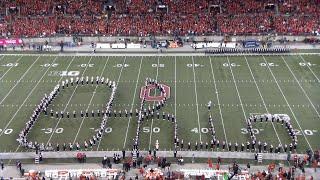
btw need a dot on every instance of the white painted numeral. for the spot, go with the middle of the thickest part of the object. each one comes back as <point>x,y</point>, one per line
<point>7,131</point>
<point>50,130</point>
<point>154,130</point>
<point>49,65</point>
<point>11,65</point>
<point>268,64</point>
<point>121,65</point>
<point>306,64</point>
<point>86,65</point>
<point>156,65</point>
<point>69,73</point>
<point>230,64</point>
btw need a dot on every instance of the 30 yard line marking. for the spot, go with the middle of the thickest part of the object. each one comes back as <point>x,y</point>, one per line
<point>94,92</point>
<point>32,90</point>
<point>264,104</point>
<point>134,96</point>
<point>150,138</point>
<point>124,60</point>
<point>67,103</point>
<point>196,93</point>
<point>14,115</point>
<point>244,113</point>
<point>218,99</point>
<point>310,68</point>
<point>284,97</point>
<point>19,80</point>
<point>9,68</point>
<point>304,92</point>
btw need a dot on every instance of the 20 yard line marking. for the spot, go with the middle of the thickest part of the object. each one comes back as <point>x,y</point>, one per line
<point>265,106</point>
<point>196,93</point>
<point>309,68</point>
<point>94,92</point>
<point>67,103</point>
<point>218,99</point>
<point>284,97</point>
<point>124,60</point>
<point>134,96</point>
<point>301,87</point>
<point>19,79</point>
<point>150,138</point>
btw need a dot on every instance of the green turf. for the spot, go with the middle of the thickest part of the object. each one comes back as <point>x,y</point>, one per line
<point>193,82</point>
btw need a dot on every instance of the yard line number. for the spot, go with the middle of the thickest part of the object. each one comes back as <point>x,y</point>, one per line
<point>6,131</point>
<point>10,65</point>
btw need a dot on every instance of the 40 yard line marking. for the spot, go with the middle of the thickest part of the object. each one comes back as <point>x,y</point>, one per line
<point>304,92</point>
<point>218,99</point>
<point>67,103</point>
<point>134,96</point>
<point>19,79</point>
<point>284,97</point>
<point>196,93</point>
<point>124,60</point>
<point>265,106</point>
<point>94,92</point>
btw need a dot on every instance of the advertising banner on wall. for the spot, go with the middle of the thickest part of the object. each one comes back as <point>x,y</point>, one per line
<point>6,42</point>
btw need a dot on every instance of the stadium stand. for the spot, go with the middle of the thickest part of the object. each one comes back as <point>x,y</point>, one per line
<point>37,18</point>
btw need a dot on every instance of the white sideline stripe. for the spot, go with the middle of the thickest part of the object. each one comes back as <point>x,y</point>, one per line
<point>265,106</point>
<point>9,68</point>
<point>294,116</point>
<point>150,138</point>
<point>219,105</point>
<point>94,92</point>
<point>196,93</point>
<point>310,69</point>
<point>124,60</point>
<point>67,103</point>
<point>244,114</point>
<point>301,87</point>
<point>19,80</point>
<point>14,115</point>
<point>134,96</point>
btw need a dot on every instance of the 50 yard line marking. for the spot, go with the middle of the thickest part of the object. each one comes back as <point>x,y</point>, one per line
<point>20,79</point>
<point>124,60</point>
<point>264,104</point>
<point>67,103</point>
<point>94,92</point>
<point>217,95</point>
<point>150,138</point>
<point>134,96</point>
<point>196,93</point>
<point>304,92</point>
<point>284,97</point>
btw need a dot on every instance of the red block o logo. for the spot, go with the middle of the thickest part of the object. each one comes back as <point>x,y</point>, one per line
<point>146,90</point>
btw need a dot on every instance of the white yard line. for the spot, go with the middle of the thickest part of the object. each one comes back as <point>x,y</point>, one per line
<point>309,68</point>
<point>132,103</point>
<point>304,92</point>
<point>244,113</point>
<point>284,97</point>
<point>94,92</point>
<point>9,68</point>
<point>25,100</point>
<point>124,60</point>
<point>54,129</point>
<point>19,79</point>
<point>264,104</point>
<point>175,86</point>
<point>155,92</point>
<point>218,99</point>
<point>196,95</point>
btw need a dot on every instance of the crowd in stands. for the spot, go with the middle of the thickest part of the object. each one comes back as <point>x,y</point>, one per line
<point>34,18</point>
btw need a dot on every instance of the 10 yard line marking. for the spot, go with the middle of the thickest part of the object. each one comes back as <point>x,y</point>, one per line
<point>19,80</point>
<point>134,96</point>
<point>31,91</point>
<point>67,103</point>
<point>217,95</point>
<point>124,60</point>
<point>196,93</point>
<point>94,92</point>
<point>288,104</point>
<point>9,68</point>
<point>301,87</point>
<point>310,68</point>
<point>150,138</point>
<point>265,106</point>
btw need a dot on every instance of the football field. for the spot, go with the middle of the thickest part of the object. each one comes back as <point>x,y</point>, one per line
<point>238,87</point>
